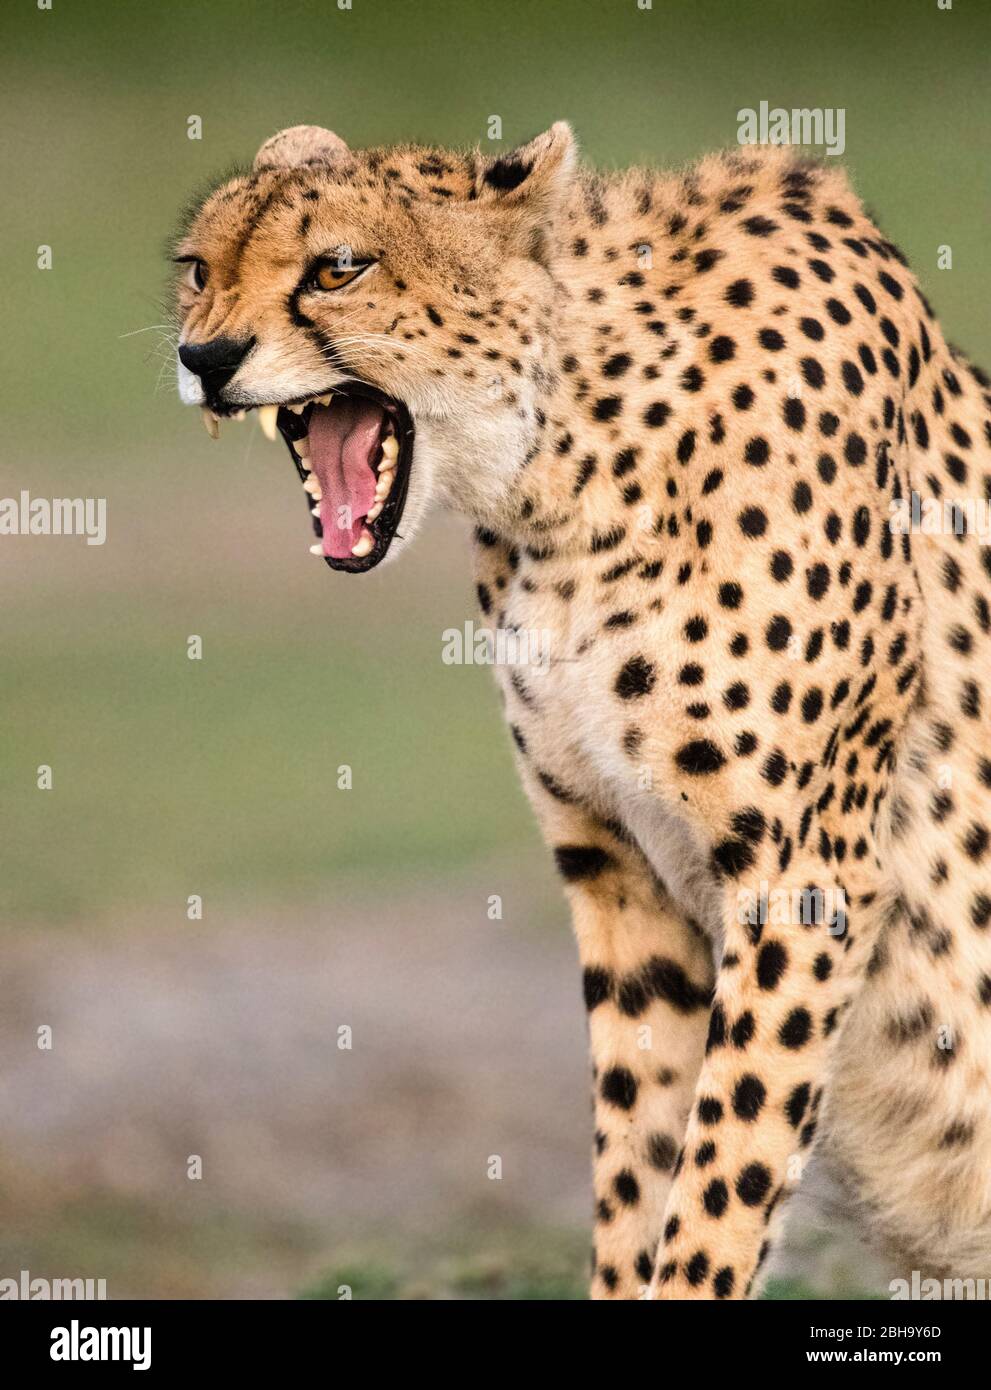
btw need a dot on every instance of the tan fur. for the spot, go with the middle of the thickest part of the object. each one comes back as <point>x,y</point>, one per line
<point>679,410</point>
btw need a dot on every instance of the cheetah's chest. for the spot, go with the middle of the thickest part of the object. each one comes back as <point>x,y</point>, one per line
<point>575,732</point>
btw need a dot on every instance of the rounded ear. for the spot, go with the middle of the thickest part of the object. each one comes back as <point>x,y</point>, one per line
<point>539,173</point>
<point>300,144</point>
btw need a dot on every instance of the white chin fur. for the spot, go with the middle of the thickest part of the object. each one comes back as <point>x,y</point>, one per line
<point>190,390</point>
<point>475,462</point>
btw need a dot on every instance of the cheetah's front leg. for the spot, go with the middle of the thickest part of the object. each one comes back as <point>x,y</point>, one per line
<point>647,975</point>
<point>793,957</point>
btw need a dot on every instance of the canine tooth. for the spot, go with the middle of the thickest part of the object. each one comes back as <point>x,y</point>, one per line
<point>364,545</point>
<point>267,417</point>
<point>312,486</point>
<point>390,448</point>
<point>210,423</point>
<point>383,485</point>
<point>316,549</point>
<point>302,446</point>
<point>325,400</point>
<point>375,511</point>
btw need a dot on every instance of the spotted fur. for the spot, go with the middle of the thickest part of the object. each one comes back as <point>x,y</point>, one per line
<point>680,410</point>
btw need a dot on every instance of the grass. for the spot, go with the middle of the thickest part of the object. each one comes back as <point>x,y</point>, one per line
<point>528,1266</point>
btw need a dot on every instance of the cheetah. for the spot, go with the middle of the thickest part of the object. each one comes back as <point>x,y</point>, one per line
<point>714,446</point>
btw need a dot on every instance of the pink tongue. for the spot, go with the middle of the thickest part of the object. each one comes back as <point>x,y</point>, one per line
<point>344,440</point>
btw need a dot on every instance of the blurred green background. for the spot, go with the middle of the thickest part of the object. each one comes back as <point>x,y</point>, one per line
<point>219,777</point>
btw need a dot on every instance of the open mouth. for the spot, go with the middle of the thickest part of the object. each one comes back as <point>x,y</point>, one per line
<point>352,449</point>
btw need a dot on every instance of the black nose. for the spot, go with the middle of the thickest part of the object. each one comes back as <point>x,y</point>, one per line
<point>215,362</point>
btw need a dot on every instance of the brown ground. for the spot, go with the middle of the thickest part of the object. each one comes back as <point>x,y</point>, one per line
<point>219,1038</point>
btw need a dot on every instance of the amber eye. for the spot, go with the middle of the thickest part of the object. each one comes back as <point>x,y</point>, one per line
<point>333,274</point>
<point>197,275</point>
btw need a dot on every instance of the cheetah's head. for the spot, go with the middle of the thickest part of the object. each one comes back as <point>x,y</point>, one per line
<point>388,311</point>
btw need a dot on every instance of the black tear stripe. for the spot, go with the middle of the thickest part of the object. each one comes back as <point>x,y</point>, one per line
<point>329,349</point>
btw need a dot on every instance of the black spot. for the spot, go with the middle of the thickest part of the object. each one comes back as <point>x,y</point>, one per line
<point>596,986</point>
<point>617,365</point>
<point>740,293</point>
<point>772,961</point>
<point>661,1152</point>
<point>749,1095</point>
<point>619,1087</point>
<point>743,397</point>
<point>753,1184</point>
<point>778,632</point>
<point>636,679</point>
<point>742,1030</point>
<point>626,1187</point>
<point>796,1104</point>
<point>686,446</point>
<point>759,226</point>
<point>794,413</point>
<point>753,522</point>
<point>732,857</point>
<point>730,595</point>
<point>668,981</point>
<point>578,862</point>
<point>700,758</point>
<point>796,1029</point>
<point>608,407</point>
<point>757,451</point>
<point>716,1197</point>
<point>710,1110</point>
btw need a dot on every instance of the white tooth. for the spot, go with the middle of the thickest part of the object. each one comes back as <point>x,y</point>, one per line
<point>210,423</point>
<point>316,549</point>
<point>315,511</point>
<point>325,400</point>
<point>312,486</point>
<point>302,446</point>
<point>239,414</point>
<point>297,409</point>
<point>383,485</point>
<point>390,448</point>
<point>374,511</point>
<point>364,546</point>
<point>267,417</point>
